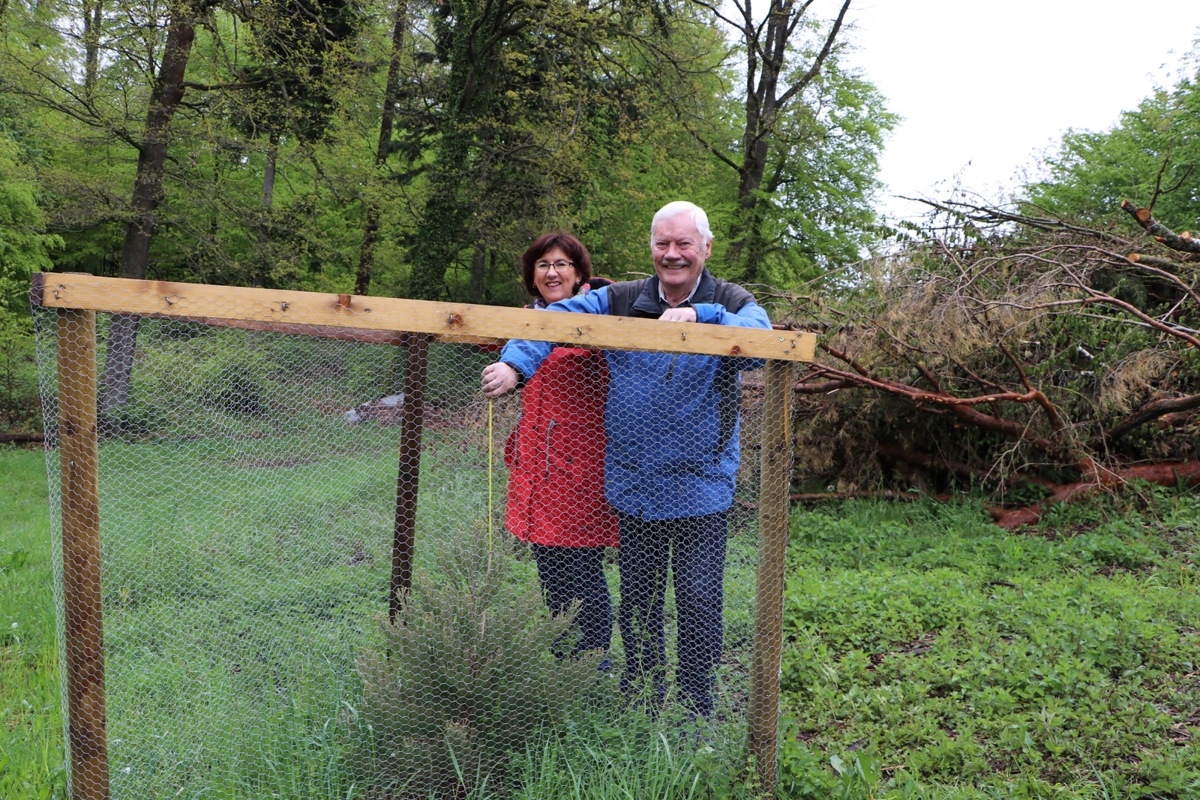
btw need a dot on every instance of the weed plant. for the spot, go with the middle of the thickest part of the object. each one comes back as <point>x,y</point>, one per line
<point>926,649</point>
<point>621,752</point>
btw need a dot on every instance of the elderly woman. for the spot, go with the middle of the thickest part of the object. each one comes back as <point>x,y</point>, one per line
<point>555,456</point>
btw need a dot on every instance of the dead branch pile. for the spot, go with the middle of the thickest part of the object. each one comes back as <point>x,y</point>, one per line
<point>1032,358</point>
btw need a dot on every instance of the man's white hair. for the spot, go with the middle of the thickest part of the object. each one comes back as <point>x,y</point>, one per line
<point>676,208</point>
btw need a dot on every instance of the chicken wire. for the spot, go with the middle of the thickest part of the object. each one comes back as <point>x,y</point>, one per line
<point>251,490</point>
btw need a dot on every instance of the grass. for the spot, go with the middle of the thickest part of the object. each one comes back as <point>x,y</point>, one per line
<point>928,654</point>
<point>966,662</point>
<point>31,732</point>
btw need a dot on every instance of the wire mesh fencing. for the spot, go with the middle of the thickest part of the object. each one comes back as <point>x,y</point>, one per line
<point>325,565</point>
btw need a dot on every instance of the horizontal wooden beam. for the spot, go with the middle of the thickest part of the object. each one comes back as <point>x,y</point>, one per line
<point>447,321</point>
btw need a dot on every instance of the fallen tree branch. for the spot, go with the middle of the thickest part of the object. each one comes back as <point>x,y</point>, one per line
<point>1183,242</point>
<point>22,438</point>
<point>865,494</point>
<point>1185,472</point>
<point>1154,410</point>
<point>962,407</point>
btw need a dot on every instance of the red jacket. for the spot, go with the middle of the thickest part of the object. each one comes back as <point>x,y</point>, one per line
<point>555,456</point>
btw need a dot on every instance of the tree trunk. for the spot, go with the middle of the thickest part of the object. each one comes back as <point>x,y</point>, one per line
<point>366,251</point>
<point>766,100</point>
<point>479,267</point>
<point>745,247</point>
<point>147,195</point>
<point>261,268</point>
<point>440,232</point>
<point>93,15</point>
<point>391,91</point>
<point>272,156</point>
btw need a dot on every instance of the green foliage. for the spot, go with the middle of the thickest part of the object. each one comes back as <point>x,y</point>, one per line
<point>25,246</point>
<point>803,774</point>
<point>819,205</point>
<point>20,408</point>
<point>1149,157</point>
<point>14,560</point>
<point>1002,665</point>
<point>294,40</point>
<point>465,677</point>
<point>506,121</point>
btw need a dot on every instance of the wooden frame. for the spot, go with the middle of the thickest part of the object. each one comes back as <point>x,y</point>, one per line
<point>384,320</point>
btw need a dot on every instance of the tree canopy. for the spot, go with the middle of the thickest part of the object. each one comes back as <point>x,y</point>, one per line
<point>415,148</point>
<point>1151,157</point>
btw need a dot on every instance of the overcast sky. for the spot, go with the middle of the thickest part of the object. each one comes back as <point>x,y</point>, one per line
<point>984,87</point>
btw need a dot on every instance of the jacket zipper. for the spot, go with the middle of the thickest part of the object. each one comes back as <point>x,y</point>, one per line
<point>549,430</point>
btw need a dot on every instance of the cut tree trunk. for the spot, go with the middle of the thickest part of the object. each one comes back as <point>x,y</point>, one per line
<point>1186,473</point>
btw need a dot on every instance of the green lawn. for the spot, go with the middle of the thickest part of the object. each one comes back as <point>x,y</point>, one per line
<point>928,654</point>
<point>31,733</point>
<point>947,658</point>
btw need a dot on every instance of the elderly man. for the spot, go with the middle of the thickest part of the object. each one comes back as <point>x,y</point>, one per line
<point>672,424</point>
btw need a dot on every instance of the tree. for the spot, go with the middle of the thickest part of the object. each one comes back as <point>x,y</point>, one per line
<point>148,193</point>
<point>126,83</point>
<point>287,89</point>
<point>471,38</point>
<point>532,94</point>
<point>797,100</point>
<point>1151,157</point>
<point>25,246</point>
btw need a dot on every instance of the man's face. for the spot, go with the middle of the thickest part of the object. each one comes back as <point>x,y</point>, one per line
<point>679,254</point>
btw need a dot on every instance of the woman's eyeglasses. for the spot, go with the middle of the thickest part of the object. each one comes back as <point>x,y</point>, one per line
<point>559,266</point>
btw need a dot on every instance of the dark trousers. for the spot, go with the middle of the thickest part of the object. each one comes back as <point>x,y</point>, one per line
<point>568,574</point>
<point>694,548</point>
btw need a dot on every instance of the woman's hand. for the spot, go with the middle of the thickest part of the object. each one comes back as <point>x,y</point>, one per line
<point>499,379</point>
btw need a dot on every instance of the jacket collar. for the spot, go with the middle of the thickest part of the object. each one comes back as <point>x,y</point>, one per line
<point>648,302</point>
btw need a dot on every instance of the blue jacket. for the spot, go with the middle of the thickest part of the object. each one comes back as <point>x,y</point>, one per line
<point>672,420</point>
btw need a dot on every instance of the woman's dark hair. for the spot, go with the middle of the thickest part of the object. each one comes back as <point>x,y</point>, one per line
<point>565,242</point>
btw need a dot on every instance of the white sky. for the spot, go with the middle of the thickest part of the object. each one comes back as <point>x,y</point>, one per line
<point>985,86</point>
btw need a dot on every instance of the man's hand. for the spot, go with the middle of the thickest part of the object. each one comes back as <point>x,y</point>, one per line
<point>685,314</point>
<point>499,379</point>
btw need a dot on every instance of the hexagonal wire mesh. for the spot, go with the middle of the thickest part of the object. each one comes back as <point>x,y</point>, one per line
<point>264,499</point>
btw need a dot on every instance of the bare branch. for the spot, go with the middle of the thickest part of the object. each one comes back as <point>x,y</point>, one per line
<point>815,68</point>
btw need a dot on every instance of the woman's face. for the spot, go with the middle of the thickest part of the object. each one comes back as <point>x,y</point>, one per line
<point>554,275</point>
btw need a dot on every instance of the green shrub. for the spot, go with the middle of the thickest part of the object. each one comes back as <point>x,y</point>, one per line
<point>464,679</point>
<point>1106,549</point>
<point>234,385</point>
<point>20,407</point>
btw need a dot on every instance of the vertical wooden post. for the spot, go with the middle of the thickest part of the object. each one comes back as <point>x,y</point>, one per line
<point>78,452</point>
<point>408,475</point>
<point>776,471</point>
